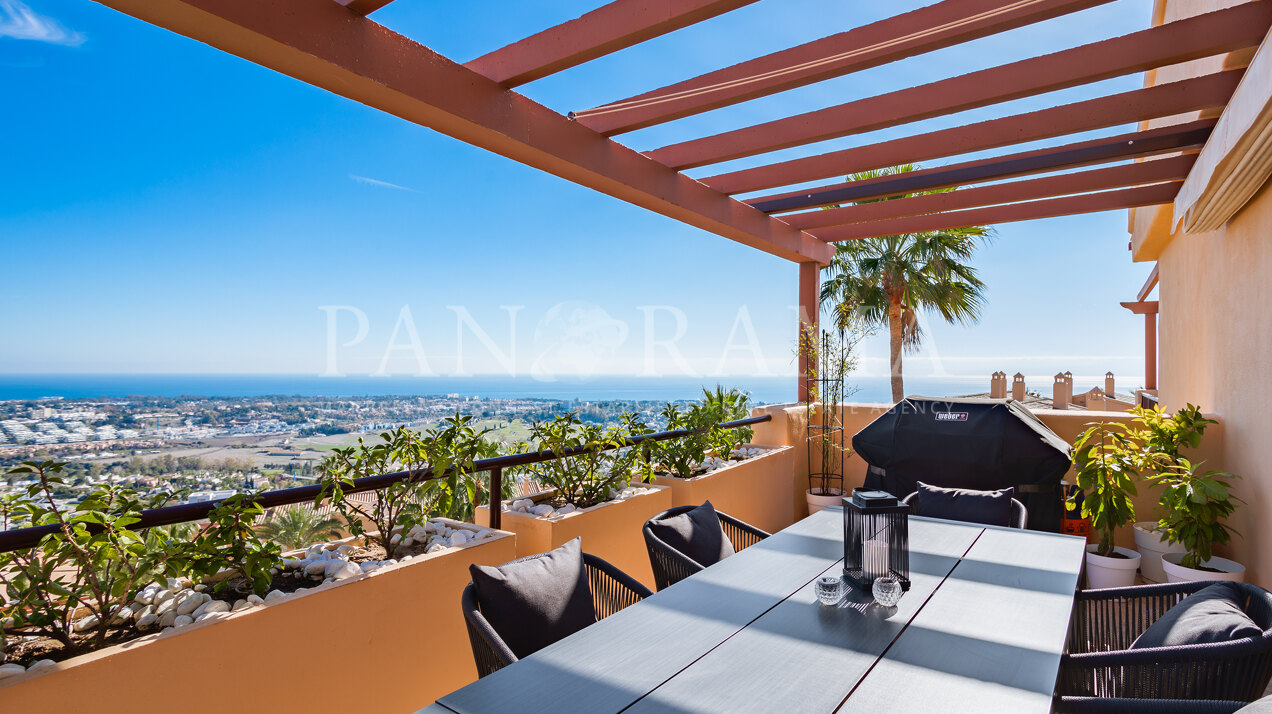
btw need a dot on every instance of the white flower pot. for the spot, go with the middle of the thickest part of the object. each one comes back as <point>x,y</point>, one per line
<point>1151,545</point>
<point>1106,572</point>
<point>819,500</point>
<point>1176,573</point>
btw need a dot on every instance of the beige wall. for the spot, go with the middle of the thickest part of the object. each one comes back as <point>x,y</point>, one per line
<point>1213,329</point>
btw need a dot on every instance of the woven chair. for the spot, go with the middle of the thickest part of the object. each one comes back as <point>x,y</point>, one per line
<point>1019,516</point>
<point>1113,705</point>
<point>1100,663</point>
<point>671,566</point>
<point>612,590</point>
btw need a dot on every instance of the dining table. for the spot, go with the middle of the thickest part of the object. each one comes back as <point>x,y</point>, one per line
<point>981,629</point>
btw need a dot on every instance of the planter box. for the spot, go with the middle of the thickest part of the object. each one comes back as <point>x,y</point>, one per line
<point>388,641</point>
<point>609,530</point>
<point>756,490</point>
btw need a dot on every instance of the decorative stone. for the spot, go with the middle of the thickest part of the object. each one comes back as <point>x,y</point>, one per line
<point>315,548</point>
<point>255,599</point>
<point>316,567</point>
<point>148,621</point>
<point>370,566</point>
<point>567,508</point>
<point>345,549</point>
<point>348,571</point>
<point>240,605</point>
<point>273,595</point>
<point>86,623</point>
<point>209,616</point>
<point>147,610</point>
<point>190,603</point>
<point>460,537</point>
<point>333,567</point>
<point>299,591</point>
<point>211,606</point>
<point>182,621</point>
<point>165,606</point>
<point>542,509</point>
<point>200,588</point>
<point>168,619</point>
<point>8,670</point>
<point>293,563</point>
<point>41,664</point>
<point>122,615</point>
<point>431,549</point>
<point>482,534</point>
<point>395,540</point>
<point>164,596</point>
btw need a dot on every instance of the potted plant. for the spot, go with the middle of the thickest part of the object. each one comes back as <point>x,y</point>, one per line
<point>1106,477</point>
<point>720,465</point>
<point>588,492</point>
<point>829,360</point>
<point>1194,507</point>
<point>1160,437</point>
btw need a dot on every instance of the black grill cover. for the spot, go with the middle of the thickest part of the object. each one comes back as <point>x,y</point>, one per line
<point>982,444</point>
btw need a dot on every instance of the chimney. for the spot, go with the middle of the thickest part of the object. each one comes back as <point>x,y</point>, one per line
<point>1109,384</point>
<point>1068,387</point>
<point>1018,387</point>
<point>1060,393</point>
<point>998,385</point>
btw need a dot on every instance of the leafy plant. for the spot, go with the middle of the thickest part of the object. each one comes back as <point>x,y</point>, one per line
<point>453,449</point>
<point>725,406</point>
<point>1102,458</point>
<point>1194,507</point>
<point>399,504</point>
<point>682,457</point>
<point>297,526</point>
<point>605,460</point>
<point>229,542</point>
<point>829,359</point>
<point>92,561</point>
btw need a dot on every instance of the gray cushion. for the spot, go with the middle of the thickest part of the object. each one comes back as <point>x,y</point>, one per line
<point>1262,706</point>
<point>1212,614</point>
<point>696,533</point>
<point>991,508</point>
<point>537,600</point>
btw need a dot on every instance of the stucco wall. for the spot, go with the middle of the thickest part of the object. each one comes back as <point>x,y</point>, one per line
<point>1214,332</point>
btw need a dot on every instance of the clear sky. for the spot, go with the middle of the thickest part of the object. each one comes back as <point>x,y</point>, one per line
<point>166,207</point>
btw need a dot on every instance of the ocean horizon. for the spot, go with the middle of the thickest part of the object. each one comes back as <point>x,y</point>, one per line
<point>765,390</point>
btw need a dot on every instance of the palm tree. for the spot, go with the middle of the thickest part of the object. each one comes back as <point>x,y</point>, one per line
<point>887,280</point>
<point>298,527</point>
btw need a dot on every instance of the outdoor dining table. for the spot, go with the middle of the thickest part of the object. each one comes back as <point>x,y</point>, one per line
<point>981,629</point>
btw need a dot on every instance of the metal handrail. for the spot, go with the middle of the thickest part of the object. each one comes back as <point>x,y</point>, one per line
<point>20,538</point>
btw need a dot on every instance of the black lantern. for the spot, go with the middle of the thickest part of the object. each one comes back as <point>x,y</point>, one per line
<point>876,538</point>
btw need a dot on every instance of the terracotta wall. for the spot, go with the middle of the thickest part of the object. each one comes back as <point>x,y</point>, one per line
<point>1213,327</point>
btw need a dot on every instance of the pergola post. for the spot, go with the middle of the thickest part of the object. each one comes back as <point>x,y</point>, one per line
<point>809,307</point>
<point>1148,308</point>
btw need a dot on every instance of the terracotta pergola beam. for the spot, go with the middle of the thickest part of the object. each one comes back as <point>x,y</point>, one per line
<point>1180,41</point>
<point>1162,100</point>
<point>1148,286</point>
<point>323,44</point>
<point>1174,168</point>
<point>1168,139</point>
<point>913,33</point>
<point>364,7</point>
<point>1119,199</point>
<point>607,29</point>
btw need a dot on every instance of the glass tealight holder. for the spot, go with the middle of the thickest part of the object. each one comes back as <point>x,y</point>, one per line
<point>887,590</point>
<point>830,589</point>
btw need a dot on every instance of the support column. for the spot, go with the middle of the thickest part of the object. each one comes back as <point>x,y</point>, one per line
<point>1149,310</point>
<point>809,308</point>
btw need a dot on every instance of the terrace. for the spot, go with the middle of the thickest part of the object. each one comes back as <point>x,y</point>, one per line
<point>1191,174</point>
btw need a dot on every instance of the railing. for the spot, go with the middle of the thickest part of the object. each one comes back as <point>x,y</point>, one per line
<point>20,538</point>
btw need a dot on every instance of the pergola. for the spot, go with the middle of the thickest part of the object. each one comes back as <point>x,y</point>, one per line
<point>332,44</point>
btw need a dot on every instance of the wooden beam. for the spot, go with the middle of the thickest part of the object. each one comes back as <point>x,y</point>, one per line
<point>364,7</point>
<point>607,29</point>
<point>1181,41</point>
<point>1168,139</point>
<point>1156,194</point>
<point>1174,168</point>
<point>1148,285</point>
<point>1162,100</point>
<point>913,33</point>
<point>323,44</point>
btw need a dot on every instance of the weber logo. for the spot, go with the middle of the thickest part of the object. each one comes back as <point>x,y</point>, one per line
<point>951,416</point>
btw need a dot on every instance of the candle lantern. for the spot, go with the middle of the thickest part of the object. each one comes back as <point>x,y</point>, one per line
<point>876,538</point>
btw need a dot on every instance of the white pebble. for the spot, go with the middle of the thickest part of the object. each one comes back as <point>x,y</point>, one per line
<point>567,508</point>
<point>8,670</point>
<point>182,621</point>
<point>348,571</point>
<point>542,509</point>
<point>200,588</point>
<point>164,596</point>
<point>333,567</point>
<point>147,621</point>
<point>317,567</point>
<point>41,664</point>
<point>86,623</point>
<point>168,619</point>
<point>274,595</point>
<point>482,534</point>
<point>459,537</point>
<point>369,566</point>
<point>255,599</point>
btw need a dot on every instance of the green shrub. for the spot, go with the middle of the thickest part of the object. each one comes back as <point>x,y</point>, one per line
<point>726,406</point>
<point>607,463</point>
<point>1194,506</point>
<point>682,456</point>
<point>1105,473</point>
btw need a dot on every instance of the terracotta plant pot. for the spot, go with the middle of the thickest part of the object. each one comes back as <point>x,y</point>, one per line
<point>384,617</point>
<point>1151,545</point>
<point>1227,569</point>
<point>748,490</point>
<point>818,500</point>
<point>609,530</point>
<point>1108,572</point>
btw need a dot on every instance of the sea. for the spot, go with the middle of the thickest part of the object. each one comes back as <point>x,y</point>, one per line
<point>763,389</point>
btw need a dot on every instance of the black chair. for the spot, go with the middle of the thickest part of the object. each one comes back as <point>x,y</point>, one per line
<point>1101,663</point>
<point>1115,705</point>
<point>671,566</point>
<point>612,590</point>
<point>1019,516</point>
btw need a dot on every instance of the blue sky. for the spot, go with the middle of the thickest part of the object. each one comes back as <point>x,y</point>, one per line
<point>165,207</point>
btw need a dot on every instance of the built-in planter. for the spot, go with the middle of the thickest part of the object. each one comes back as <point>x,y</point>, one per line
<point>1152,546</point>
<point>756,490</point>
<point>1108,572</point>
<point>392,640</point>
<point>610,530</point>
<point>1218,569</point>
